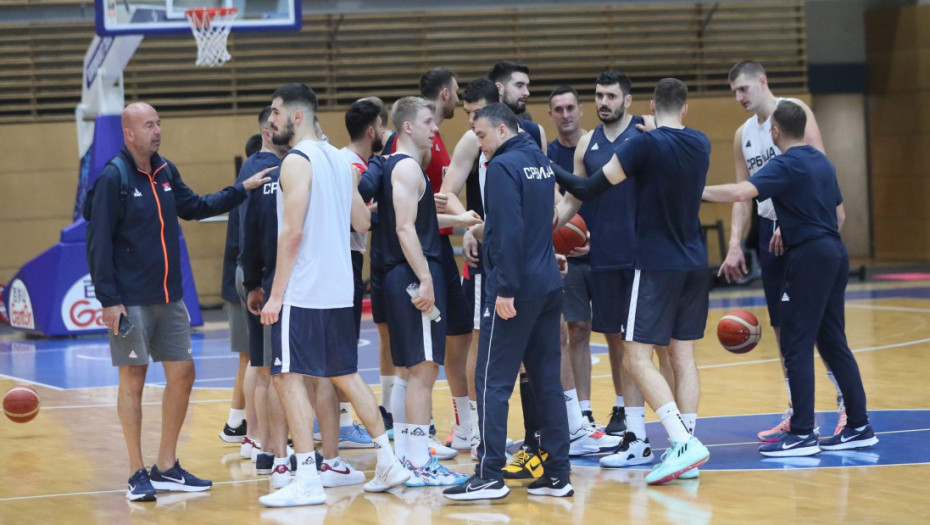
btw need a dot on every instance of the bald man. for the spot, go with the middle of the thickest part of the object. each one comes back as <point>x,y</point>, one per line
<point>135,262</point>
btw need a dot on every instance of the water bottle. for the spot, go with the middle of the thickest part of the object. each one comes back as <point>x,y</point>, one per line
<point>414,292</point>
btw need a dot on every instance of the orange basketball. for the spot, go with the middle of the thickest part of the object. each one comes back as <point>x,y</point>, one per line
<point>739,331</point>
<point>21,404</point>
<point>572,235</point>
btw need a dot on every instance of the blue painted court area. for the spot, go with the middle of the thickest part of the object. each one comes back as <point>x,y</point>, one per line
<point>84,362</point>
<point>903,436</point>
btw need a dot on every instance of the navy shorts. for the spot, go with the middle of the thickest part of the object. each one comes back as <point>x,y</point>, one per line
<point>668,304</point>
<point>358,261</point>
<point>474,296</point>
<point>773,270</point>
<point>414,338</point>
<point>376,281</point>
<point>314,342</point>
<point>576,298</point>
<point>459,314</point>
<point>610,300</point>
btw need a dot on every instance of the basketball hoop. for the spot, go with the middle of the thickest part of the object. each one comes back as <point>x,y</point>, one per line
<point>211,26</point>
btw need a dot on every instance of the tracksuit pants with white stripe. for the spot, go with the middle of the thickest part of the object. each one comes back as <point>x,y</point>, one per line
<point>531,338</point>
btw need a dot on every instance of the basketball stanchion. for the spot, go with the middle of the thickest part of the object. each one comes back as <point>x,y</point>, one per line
<point>211,26</point>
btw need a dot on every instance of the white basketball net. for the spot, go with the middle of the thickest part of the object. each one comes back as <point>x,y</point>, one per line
<point>211,28</point>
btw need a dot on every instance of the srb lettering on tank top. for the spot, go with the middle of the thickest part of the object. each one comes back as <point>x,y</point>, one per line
<point>270,188</point>
<point>754,163</point>
<point>538,173</point>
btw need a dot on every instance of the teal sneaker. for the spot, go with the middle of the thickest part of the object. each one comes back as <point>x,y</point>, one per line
<point>678,459</point>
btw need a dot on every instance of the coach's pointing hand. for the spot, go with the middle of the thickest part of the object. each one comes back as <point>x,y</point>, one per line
<point>258,179</point>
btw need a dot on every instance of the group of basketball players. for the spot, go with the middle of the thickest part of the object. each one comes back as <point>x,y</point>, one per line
<point>641,280</point>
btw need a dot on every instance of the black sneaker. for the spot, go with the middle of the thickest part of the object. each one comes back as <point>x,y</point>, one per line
<point>264,463</point>
<point>551,486</point>
<point>140,487</point>
<point>617,424</point>
<point>850,438</point>
<point>477,488</point>
<point>388,419</point>
<point>589,415</point>
<point>233,435</point>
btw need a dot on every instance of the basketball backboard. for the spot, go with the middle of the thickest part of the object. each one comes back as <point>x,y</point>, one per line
<point>152,17</point>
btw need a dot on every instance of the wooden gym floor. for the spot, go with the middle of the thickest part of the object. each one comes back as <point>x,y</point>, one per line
<point>69,464</point>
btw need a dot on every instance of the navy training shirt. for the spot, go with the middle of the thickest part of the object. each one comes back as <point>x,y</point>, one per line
<point>613,215</point>
<point>670,169</point>
<point>426,223</point>
<point>519,260</point>
<point>258,225</point>
<point>564,157</point>
<point>802,184</point>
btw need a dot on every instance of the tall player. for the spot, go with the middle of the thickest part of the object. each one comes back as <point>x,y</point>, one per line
<point>752,149</point>
<point>413,287</point>
<point>310,305</point>
<point>613,250</point>
<point>669,294</point>
<point>513,83</point>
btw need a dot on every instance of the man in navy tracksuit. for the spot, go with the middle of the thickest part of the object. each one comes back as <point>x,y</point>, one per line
<point>802,184</point>
<point>134,259</point>
<point>520,315</point>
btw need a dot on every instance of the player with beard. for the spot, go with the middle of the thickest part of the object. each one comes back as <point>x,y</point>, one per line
<point>513,82</point>
<point>310,304</point>
<point>612,223</point>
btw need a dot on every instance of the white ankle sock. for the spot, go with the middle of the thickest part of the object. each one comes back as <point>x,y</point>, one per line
<point>236,416</point>
<point>671,420</point>
<point>398,400</point>
<point>584,404</point>
<point>418,444</point>
<point>636,421</point>
<point>345,414</point>
<point>387,386</point>
<point>690,421</point>
<point>383,449</point>
<point>573,409</point>
<point>619,402</point>
<point>462,416</point>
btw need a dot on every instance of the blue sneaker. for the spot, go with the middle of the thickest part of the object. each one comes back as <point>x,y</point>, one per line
<point>433,474</point>
<point>178,479</point>
<point>140,487</point>
<point>354,436</point>
<point>678,459</point>
<point>791,445</point>
<point>850,438</point>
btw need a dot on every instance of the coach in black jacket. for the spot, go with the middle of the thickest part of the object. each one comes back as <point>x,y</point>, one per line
<point>134,258</point>
<point>523,303</point>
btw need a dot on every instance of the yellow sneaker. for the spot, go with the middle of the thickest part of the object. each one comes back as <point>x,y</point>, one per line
<point>525,465</point>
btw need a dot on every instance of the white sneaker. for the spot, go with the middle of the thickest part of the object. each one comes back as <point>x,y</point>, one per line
<point>458,439</point>
<point>386,477</point>
<point>245,450</point>
<point>585,442</point>
<point>256,448</point>
<point>338,473</point>
<point>441,451</point>
<point>280,476</point>
<point>633,451</point>
<point>298,492</point>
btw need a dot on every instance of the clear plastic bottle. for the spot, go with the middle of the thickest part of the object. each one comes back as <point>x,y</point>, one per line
<point>413,290</point>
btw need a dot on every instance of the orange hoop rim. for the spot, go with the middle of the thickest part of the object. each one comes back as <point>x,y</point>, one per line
<point>211,11</point>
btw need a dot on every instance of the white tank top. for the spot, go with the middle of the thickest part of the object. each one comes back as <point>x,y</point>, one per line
<point>358,241</point>
<point>758,149</point>
<point>322,275</point>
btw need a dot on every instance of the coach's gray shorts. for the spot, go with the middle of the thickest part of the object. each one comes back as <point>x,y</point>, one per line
<point>238,327</point>
<point>162,331</point>
<point>576,303</point>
